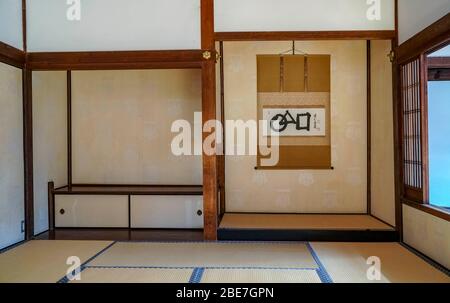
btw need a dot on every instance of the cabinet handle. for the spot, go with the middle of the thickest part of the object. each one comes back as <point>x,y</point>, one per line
<point>199,212</point>
<point>62,211</point>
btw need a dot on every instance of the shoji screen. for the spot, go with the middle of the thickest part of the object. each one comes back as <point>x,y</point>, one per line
<point>11,156</point>
<point>11,23</point>
<point>113,25</point>
<point>414,155</point>
<point>301,15</point>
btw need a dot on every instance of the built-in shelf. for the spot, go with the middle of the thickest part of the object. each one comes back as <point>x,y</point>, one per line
<point>98,189</point>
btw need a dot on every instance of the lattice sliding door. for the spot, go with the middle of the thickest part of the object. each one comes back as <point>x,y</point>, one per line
<point>414,130</point>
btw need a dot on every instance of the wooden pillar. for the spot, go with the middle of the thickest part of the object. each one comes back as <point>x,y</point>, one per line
<point>69,129</point>
<point>51,206</point>
<point>369,127</point>
<point>396,92</point>
<point>28,152</point>
<point>210,172</point>
<point>222,120</point>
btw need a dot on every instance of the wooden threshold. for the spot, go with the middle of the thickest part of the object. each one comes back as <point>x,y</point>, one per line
<point>122,234</point>
<point>304,35</point>
<point>308,235</point>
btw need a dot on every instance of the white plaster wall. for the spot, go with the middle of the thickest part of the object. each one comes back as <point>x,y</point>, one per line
<point>415,15</point>
<point>427,233</point>
<point>121,124</point>
<point>49,139</point>
<point>11,23</point>
<point>11,156</point>
<point>382,145</point>
<point>300,15</point>
<point>341,190</point>
<point>114,25</point>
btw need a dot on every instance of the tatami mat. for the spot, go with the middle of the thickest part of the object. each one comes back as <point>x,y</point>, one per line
<point>259,276</point>
<point>218,262</point>
<point>346,262</point>
<point>220,254</point>
<point>306,222</point>
<point>134,275</point>
<point>44,261</point>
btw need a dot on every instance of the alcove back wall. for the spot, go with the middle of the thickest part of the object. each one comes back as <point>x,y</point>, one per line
<point>342,190</point>
<point>121,123</point>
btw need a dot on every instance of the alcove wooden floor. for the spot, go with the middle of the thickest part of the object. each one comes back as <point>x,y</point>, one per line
<point>300,221</point>
<point>305,227</point>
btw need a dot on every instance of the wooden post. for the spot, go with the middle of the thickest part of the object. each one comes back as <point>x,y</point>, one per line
<point>51,206</point>
<point>28,152</point>
<point>369,127</point>
<point>69,129</point>
<point>222,120</point>
<point>210,172</point>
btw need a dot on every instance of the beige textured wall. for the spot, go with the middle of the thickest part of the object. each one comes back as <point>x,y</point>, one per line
<point>428,234</point>
<point>49,139</point>
<point>11,156</point>
<point>340,190</point>
<point>382,145</point>
<point>121,123</point>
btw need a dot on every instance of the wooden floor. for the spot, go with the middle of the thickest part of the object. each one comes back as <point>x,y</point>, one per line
<point>122,234</point>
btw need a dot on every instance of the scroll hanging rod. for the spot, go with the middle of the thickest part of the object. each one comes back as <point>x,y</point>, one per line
<point>293,51</point>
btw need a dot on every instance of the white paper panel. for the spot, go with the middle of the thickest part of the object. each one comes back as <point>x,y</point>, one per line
<point>300,15</point>
<point>11,156</point>
<point>166,211</point>
<point>114,25</point>
<point>415,15</point>
<point>49,139</point>
<point>11,23</point>
<point>91,211</point>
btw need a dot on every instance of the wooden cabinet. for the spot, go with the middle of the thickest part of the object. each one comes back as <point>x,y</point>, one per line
<point>91,211</point>
<point>166,212</point>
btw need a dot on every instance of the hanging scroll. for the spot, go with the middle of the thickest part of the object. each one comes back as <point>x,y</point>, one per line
<point>294,99</point>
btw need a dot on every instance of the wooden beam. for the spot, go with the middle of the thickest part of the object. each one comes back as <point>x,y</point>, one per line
<point>108,60</point>
<point>431,37</point>
<point>210,171</point>
<point>11,55</point>
<point>28,152</point>
<point>439,74</point>
<point>438,62</point>
<point>304,35</point>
